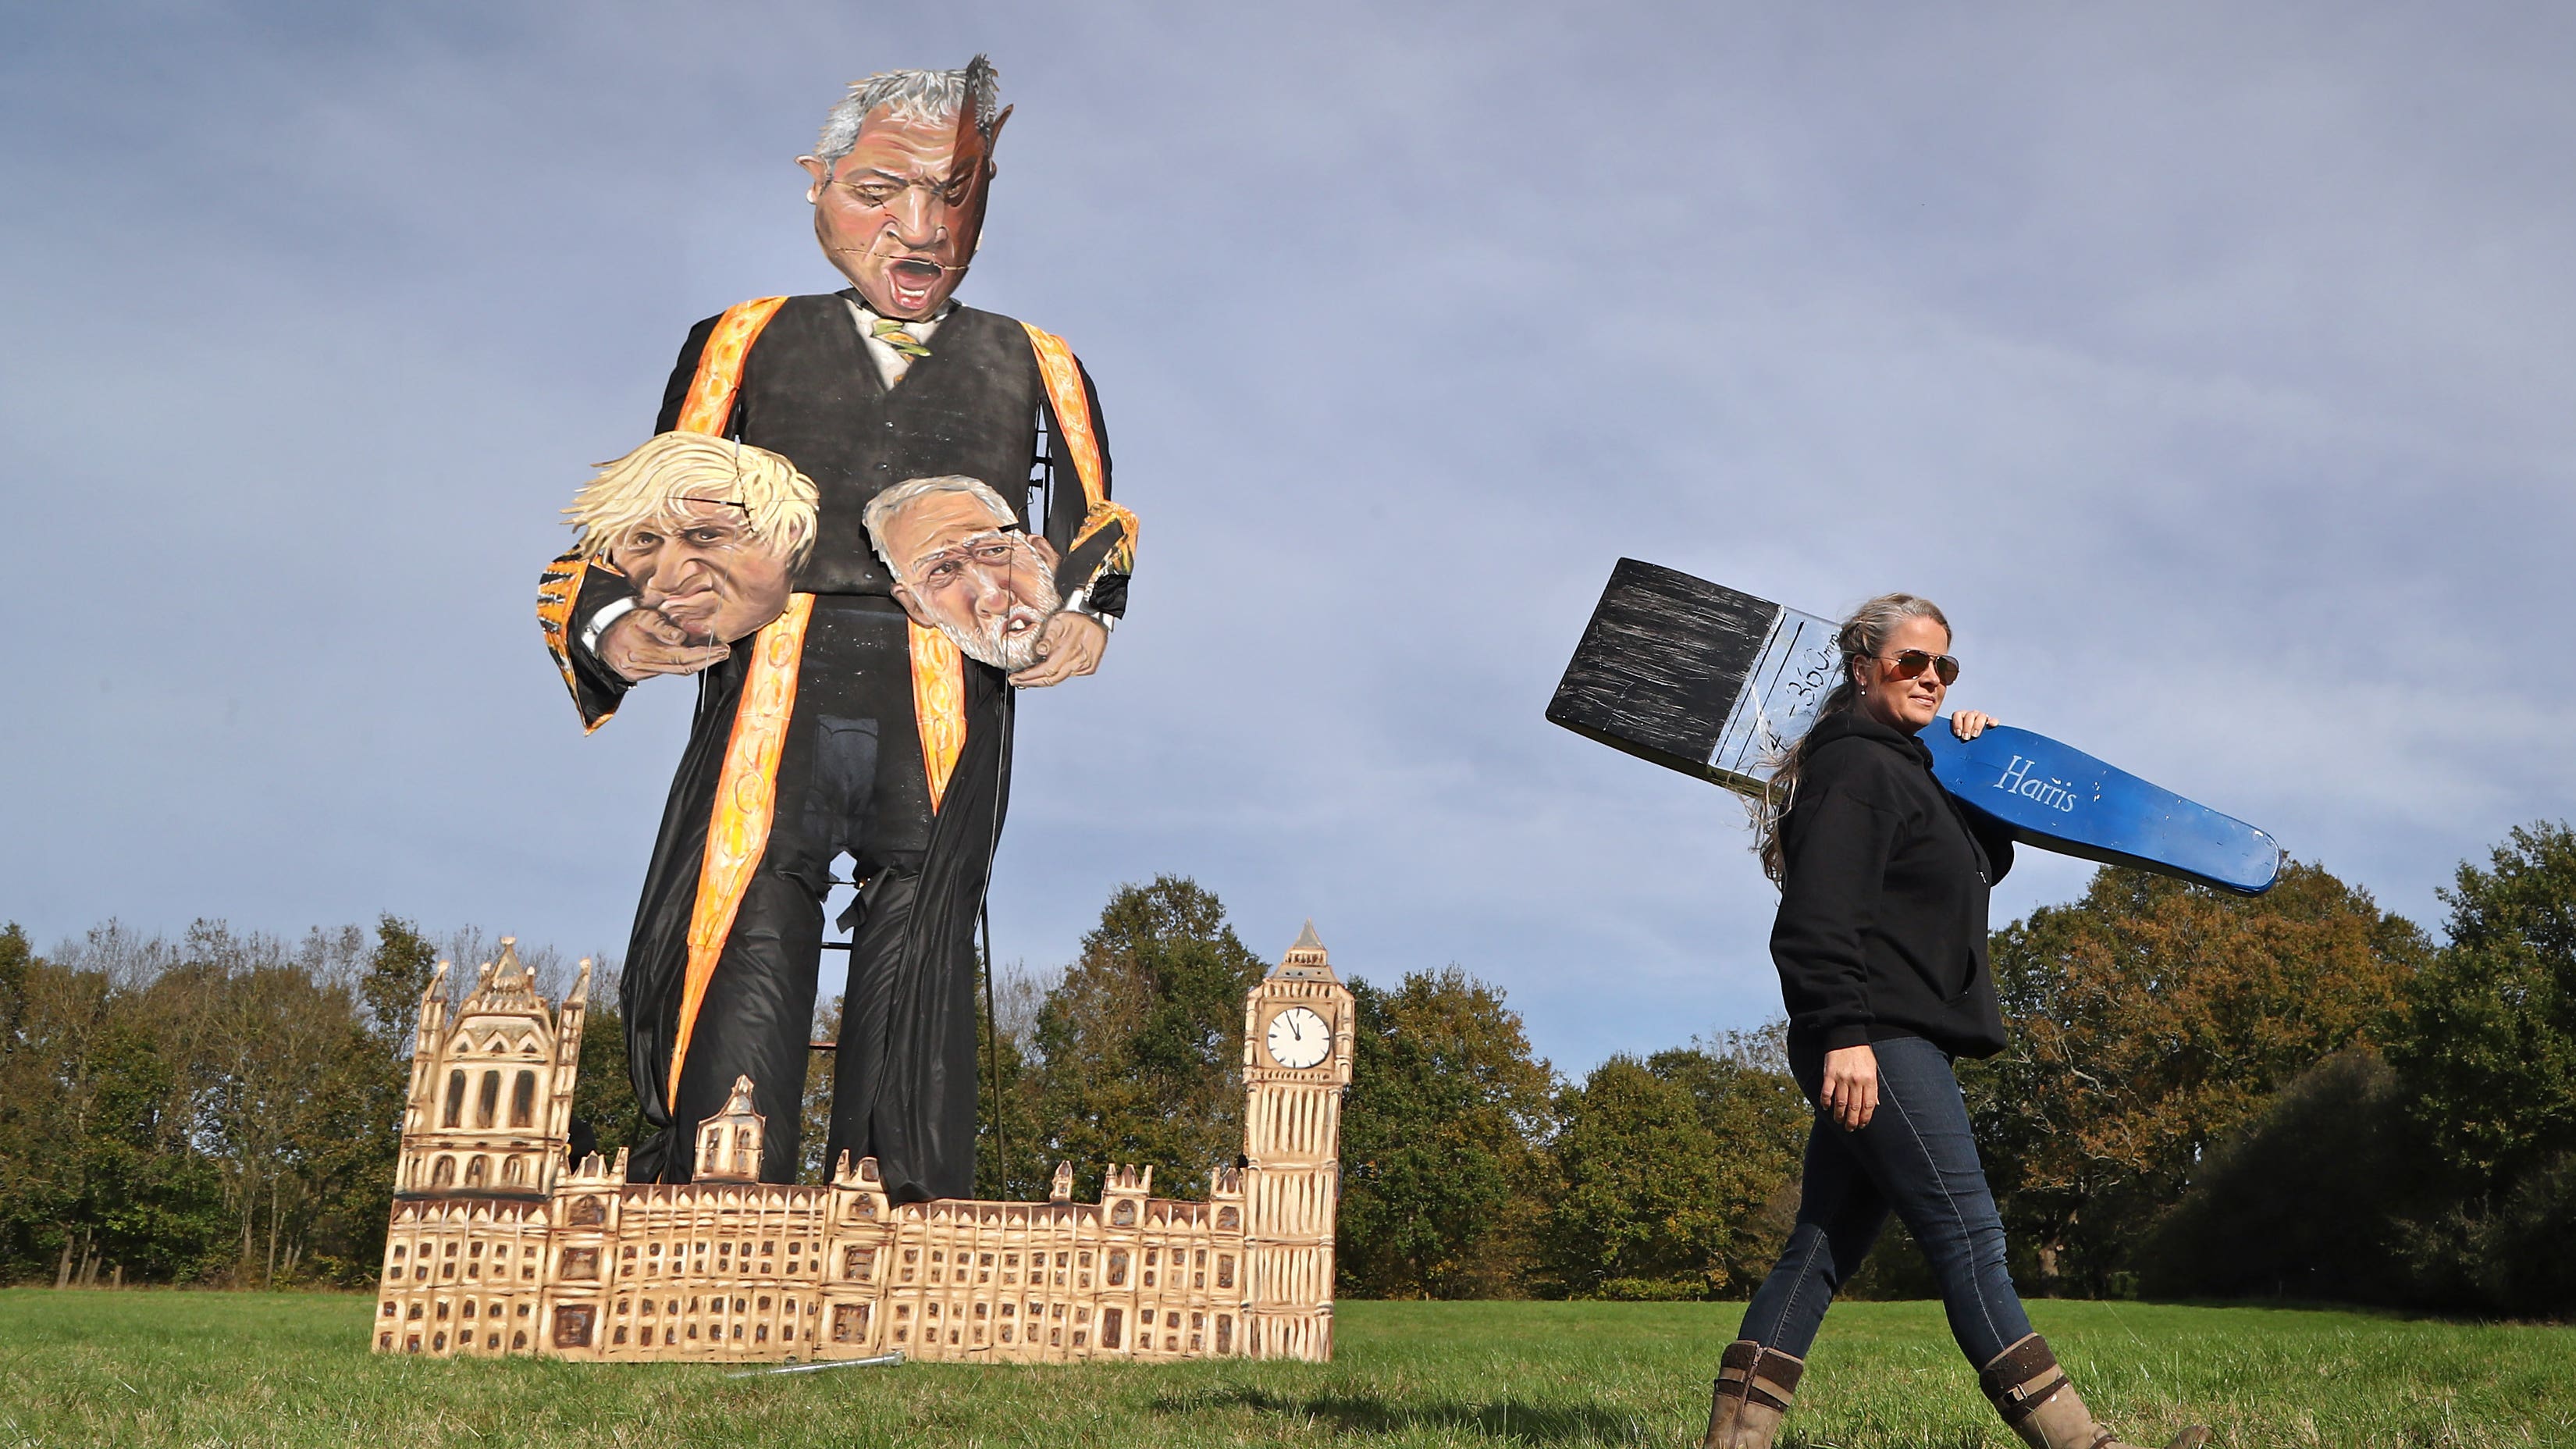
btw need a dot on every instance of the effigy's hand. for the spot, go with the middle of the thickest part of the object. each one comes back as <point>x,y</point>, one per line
<point>1070,645</point>
<point>1850,1094</point>
<point>1967,724</point>
<point>642,644</point>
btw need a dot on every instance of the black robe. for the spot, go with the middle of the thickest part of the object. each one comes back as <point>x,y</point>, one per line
<point>850,776</point>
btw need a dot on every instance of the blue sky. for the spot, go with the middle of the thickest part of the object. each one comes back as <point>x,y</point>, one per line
<point>2211,367</point>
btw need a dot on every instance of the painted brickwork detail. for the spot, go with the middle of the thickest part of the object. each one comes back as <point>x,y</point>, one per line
<point>501,1244</point>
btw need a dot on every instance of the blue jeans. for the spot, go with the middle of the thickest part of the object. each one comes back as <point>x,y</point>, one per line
<point>1915,1158</point>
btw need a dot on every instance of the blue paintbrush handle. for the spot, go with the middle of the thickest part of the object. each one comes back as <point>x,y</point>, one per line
<point>2060,798</point>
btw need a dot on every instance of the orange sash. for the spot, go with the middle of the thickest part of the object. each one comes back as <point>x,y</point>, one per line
<point>747,788</point>
<point>1072,408</point>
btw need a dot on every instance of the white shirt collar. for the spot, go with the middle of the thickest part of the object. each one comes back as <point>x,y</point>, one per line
<point>891,364</point>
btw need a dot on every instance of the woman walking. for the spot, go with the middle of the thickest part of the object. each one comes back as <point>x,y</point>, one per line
<point>1881,945</point>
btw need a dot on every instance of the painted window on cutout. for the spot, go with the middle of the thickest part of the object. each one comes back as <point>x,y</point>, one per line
<point>523,1100</point>
<point>455,1116</point>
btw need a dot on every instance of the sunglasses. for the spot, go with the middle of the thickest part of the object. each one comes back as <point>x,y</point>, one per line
<point>1911,662</point>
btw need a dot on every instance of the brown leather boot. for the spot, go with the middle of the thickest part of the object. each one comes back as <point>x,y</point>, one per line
<point>1753,1389</point>
<point>2031,1392</point>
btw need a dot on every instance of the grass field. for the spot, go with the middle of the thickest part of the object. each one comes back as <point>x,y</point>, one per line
<point>223,1369</point>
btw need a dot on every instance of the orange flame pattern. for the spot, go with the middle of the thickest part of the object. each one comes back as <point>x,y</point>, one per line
<point>747,787</point>
<point>1072,408</point>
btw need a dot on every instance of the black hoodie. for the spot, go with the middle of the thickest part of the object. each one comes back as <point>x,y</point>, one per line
<point>1882,926</point>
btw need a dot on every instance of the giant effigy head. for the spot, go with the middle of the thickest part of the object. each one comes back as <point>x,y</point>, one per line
<point>961,564</point>
<point>708,530</point>
<point>900,176</point>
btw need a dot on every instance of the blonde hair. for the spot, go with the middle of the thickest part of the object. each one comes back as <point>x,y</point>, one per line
<point>1861,637</point>
<point>648,485</point>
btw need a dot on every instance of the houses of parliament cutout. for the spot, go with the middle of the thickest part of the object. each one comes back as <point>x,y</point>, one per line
<point>502,1244</point>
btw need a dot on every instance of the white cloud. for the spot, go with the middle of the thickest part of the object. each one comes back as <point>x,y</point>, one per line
<point>2210,367</point>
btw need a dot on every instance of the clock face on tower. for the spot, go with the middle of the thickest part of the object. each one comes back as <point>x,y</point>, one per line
<point>1298,1038</point>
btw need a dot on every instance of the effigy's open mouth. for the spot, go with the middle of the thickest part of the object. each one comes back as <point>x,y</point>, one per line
<point>913,280</point>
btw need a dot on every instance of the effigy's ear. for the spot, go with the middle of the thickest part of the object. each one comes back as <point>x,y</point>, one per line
<point>970,156</point>
<point>993,138</point>
<point>972,162</point>
<point>912,606</point>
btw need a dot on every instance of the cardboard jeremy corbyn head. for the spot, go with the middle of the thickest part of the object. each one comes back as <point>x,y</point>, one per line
<point>899,179</point>
<point>962,565</point>
<point>709,531</point>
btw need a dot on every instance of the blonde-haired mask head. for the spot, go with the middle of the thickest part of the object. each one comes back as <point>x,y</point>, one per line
<point>708,530</point>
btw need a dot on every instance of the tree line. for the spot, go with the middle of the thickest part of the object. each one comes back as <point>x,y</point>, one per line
<point>2293,1095</point>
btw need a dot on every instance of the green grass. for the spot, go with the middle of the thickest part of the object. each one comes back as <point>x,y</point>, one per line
<point>221,1369</point>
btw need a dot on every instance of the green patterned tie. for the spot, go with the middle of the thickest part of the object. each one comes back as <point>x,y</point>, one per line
<point>890,332</point>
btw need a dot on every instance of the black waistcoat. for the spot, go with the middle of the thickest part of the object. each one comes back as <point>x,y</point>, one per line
<point>811,392</point>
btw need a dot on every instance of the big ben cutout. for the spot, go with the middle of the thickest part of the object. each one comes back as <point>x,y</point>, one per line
<point>1296,1060</point>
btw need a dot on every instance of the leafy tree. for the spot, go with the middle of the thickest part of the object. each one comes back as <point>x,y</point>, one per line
<point>2526,1258</point>
<point>814,1110</point>
<point>288,1078</point>
<point>1141,1042</point>
<point>2303,1201</point>
<point>397,976</point>
<point>1440,1142</point>
<point>1634,1214</point>
<point>1750,1104</point>
<point>603,1097</point>
<point>225,1108</point>
<point>95,1171</point>
<point>1672,1172</point>
<point>16,961</point>
<point>1010,1158</point>
<point>2148,1020</point>
<point>2488,1055</point>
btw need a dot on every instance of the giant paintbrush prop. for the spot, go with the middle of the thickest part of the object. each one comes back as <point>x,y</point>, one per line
<point>1716,683</point>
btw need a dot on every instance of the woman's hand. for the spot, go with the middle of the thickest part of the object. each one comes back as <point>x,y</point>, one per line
<point>1851,1086</point>
<point>1967,724</point>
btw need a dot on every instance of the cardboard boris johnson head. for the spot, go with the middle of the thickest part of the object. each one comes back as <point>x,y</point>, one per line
<point>709,531</point>
<point>962,565</point>
<point>899,179</point>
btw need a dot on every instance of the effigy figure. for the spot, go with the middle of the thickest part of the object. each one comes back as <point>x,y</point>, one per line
<point>852,723</point>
